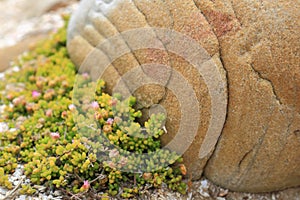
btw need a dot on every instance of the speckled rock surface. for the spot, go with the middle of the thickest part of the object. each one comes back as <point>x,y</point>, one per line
<point>254,46</point>
<point>259,149</point>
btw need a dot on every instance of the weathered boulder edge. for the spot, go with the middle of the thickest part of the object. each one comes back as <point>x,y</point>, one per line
<point>255,46</point>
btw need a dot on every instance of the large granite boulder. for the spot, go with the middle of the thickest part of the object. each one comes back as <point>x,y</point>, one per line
<point>206,62</point>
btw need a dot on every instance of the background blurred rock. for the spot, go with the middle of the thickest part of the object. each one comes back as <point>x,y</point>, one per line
<point>23,23</point>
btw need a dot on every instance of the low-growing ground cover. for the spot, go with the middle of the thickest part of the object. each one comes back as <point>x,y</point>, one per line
<point>84,145</point>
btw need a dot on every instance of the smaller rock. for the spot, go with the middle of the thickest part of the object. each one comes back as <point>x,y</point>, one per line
<point>2,192</point>
<point>22,197</point>
<point>223,193</point>
<point>43,197</point>
<point>39,188</point>
<point>15,183</point>
<point>57,193</point>
<point>17,175</point>
<point>203,189</point>
<point>27,181</point>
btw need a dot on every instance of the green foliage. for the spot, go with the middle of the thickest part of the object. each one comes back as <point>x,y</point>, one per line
<point>27,189</point>
<point>4,179</point>
<point>72,140</point>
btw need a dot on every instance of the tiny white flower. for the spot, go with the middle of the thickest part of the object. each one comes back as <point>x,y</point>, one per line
<point>72,107</point>
<point>3,127</point>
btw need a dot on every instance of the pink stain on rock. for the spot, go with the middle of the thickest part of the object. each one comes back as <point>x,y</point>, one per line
<point>222,22</point>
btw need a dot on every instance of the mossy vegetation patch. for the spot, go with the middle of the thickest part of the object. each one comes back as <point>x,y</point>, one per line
<point>83,145</point>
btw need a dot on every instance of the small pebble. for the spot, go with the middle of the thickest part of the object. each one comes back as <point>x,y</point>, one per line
<point>57,193</point>
<point>21,197</point>
<point>223,193</point>
<point>203,189</point>
<point>39,188</point>
<point>2,191</point>
<point>27,181</point>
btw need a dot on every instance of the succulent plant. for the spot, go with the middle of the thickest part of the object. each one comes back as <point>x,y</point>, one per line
<point>75,142</point>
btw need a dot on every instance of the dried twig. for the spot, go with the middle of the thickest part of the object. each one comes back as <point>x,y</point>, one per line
<point>99,177</point>
<point>74,196</point>
<point>77,176</point>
